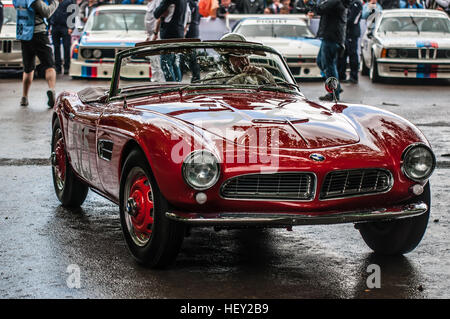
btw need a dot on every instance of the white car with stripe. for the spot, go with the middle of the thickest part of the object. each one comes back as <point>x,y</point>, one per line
<point>406,43</point>
<point>110,29</point>
<point>290,36</point>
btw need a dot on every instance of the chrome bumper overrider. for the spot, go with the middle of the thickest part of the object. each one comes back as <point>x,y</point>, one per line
<point>274,220</point>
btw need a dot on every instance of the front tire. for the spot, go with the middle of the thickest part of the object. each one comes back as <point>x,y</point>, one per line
<point>365,70</point>
<point>69,189</point>
<point>373,73</point>
<point>152,238</point>
<point>399,236</point>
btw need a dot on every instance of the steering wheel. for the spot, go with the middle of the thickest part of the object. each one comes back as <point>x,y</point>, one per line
<point>260,78</point>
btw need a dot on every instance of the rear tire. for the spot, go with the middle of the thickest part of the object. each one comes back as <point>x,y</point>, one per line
<point>152,238</point>
<point>69,189</point>
<point>399,236</point>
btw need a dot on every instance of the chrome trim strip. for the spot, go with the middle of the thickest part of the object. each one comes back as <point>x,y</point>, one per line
<point>261,219</point>
<point>313,194</point>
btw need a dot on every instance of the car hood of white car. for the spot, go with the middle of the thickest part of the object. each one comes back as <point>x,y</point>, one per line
<point>112,38</point>
<point>290,45</point>
<point>416,40</point>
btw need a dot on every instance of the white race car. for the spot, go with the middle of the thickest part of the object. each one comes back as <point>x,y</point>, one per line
<point>406,43</point>
<point>10,49</point>
<point>290,36</point>
<point>109,29</point>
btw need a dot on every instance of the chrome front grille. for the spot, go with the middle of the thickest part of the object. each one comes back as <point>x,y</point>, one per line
<point>355,182</point>
<point>274,186</point>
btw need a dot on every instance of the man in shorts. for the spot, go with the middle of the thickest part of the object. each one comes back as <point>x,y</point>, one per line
<point>33,35</point>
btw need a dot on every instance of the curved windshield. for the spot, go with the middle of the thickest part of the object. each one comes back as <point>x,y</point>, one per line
<point>206,67</point>
<point>9,15</point>
<point>415,24</point>
<point>114,20</point>
<point>275,30</point>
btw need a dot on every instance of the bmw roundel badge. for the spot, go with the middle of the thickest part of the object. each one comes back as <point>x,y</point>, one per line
<point>317,157</point>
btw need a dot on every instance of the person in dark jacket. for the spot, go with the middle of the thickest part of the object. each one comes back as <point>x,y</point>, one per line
<point>1,16</point>
<point>251,6</point>
<point>226,7</point>
<point>304,6</point>
<point>171,28</point>
<point>331,31</point>
<point>193,32</point>
<point>353,33</point>
<point>390,4</point>
<point>60,33</point>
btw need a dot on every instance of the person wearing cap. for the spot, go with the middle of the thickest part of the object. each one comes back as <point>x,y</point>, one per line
<point>236,64</point>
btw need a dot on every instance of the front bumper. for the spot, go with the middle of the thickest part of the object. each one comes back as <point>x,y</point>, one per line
<point>283,220</point>
<point>414,68</point>
<point>102,69</point>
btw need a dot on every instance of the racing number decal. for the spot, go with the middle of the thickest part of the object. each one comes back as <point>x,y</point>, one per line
<point>81,146</point>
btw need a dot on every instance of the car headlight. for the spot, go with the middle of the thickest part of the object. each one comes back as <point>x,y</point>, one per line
<point>97,53</point>
<point>418,162</point>
<point>403,53</point>
<point>392,53</point>
<point>86,53</point>
<point>201,170</point>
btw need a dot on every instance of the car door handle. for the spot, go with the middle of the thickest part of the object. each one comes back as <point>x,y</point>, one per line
<point>71,116</point>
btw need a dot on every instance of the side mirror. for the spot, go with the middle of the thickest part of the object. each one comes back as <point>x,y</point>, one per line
<point>331,85</point>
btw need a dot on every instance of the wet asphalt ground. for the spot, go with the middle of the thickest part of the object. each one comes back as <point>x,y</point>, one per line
<point>41,242</point>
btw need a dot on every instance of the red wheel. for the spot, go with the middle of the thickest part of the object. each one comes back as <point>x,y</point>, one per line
<point>70,191</point>
<point>152,238</point>
<point>139,206</point>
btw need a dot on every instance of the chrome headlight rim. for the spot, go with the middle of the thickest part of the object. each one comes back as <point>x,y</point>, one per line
<point>392,53</point>
<point>86,53</point>
<point>184,170</point>
<point>97,53</point>
<point>407,151</point>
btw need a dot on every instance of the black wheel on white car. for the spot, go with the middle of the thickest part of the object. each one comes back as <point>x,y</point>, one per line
<point>373,72</point>
<point>69,189</point>
<point>152,238</point>
<point>364,70</point>
<point>399,236</point>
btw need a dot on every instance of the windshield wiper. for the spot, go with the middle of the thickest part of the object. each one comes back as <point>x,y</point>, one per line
<point>414,22</point>
<point>125,21</point>
<point>277,85</point>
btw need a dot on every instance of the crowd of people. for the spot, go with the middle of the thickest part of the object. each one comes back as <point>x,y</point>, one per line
<point>168,19</point>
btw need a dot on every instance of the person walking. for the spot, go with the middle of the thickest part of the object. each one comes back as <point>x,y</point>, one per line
<point>193,32</point>
<point>352,35</point>
<point>172,26</point>
<point>32,32</point>
<point>332,33</point>
<point>151,27</point>
<point>60,33</point>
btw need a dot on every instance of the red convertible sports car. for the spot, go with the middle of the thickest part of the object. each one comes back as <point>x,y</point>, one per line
<point>226,139</point>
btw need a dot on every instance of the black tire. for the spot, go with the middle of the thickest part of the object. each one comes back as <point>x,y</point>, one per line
<point>365,70</point>
<point>160,248</point>
<point>373,72</point>
<point>69,189</point>
<point>400,236</point>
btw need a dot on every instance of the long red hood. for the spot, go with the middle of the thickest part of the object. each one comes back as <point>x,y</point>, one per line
<point>298,124</point>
